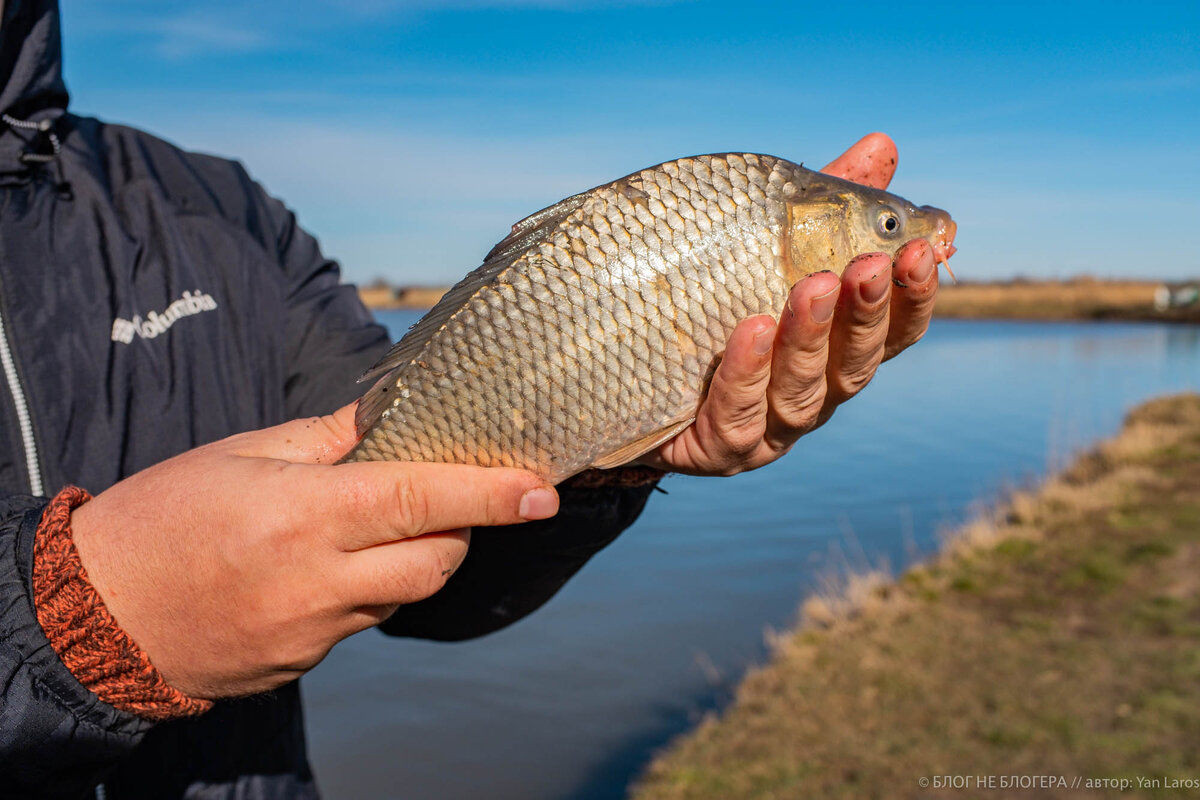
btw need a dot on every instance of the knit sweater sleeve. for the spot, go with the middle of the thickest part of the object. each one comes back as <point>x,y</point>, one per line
<point>85,635</point>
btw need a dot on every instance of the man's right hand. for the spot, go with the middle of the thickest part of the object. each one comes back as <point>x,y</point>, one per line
<point>237,566</point>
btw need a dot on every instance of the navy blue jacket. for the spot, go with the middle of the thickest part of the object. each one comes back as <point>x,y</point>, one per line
<point>153,300</point>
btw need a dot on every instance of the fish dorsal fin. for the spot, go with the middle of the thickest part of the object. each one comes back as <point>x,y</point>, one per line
<point>623,455</point>
<point>527,233</point>
<point>535,228</point>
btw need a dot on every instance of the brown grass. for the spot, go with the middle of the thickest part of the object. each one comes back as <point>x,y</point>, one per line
<point>382,296</point>
<point>1058,636</point>
<point>1082,298</point>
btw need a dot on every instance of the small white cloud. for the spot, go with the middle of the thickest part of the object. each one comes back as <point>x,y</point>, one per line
<point>392,7</point>
<point>1169,82</point>
<point>186,36</point>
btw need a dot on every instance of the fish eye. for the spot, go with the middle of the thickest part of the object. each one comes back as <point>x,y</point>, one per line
<point>888,222</point>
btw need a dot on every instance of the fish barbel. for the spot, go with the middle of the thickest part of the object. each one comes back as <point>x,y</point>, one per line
<point>588,335</point>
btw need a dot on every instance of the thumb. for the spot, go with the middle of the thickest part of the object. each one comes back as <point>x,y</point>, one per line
<point>309,440</point>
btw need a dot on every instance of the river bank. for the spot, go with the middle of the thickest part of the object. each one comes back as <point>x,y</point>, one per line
<point>1058,637</point>
<point>1076,299</point>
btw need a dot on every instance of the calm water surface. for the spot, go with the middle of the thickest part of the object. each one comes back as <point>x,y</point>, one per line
<point>571,702</point>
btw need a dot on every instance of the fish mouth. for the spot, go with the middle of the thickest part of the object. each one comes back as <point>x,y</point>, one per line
<point>942,239</point>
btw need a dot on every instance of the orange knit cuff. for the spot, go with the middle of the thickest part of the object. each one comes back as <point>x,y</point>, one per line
<point>85,635</point>
<point>635,475</point>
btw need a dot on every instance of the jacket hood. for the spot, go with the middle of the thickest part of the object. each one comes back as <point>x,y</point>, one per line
<point>31,60</point>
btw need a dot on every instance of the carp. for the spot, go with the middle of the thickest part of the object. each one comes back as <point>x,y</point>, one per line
<point>588,335</point>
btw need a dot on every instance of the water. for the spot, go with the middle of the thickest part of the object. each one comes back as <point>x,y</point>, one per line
<point>571,702</point>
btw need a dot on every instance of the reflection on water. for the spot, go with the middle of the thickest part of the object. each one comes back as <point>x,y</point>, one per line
<point>658,628</point>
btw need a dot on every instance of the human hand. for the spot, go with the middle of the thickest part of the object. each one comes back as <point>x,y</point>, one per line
<point>777,382</point>
<point>236,566</point>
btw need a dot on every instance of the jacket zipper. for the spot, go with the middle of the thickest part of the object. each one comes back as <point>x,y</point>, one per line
<point>23,419</point>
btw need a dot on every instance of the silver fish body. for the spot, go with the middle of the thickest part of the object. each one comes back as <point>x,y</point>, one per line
<point>588,335</point>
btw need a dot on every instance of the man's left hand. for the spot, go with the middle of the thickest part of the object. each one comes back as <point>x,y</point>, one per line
<point>778,381</point>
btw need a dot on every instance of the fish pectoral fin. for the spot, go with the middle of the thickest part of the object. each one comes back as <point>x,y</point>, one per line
<point>640,447</point>
<point>373,405</point>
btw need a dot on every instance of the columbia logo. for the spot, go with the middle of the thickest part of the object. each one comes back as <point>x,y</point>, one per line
<point>155,323</point>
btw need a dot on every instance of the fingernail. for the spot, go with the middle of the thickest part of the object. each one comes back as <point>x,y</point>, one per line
<point>922,270</point>
<point>764,341</point>
<point>821,308</point>
<point>874,289</point>
<point>539,503</point>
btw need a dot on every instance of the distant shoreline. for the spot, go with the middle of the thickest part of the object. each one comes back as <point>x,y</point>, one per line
<point>1076,299</point>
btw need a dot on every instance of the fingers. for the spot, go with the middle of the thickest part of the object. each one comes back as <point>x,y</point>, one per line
<point>371,503</point>
<point>312,440</point>
<point>402,572</point>
<point>731,421</point>
<point>870,161</point>
<point>856,342</point>
<point>912,303</point>
<point>797,389</point>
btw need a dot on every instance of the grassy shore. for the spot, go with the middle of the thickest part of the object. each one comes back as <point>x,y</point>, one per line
<point>1078,299</point>
<point>1058,637</point>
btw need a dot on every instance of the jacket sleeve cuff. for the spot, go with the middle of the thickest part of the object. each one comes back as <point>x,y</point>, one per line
<point>85,635</point>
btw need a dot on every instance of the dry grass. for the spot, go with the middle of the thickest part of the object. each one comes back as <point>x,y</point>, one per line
<point>1060,635</point>
<point>1082,298</point>
<point>383,296</point>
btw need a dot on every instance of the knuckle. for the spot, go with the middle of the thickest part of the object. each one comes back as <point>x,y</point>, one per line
<point>871,322</point>
<point>450,558</point>
<point>857,368</point>
<point>401,580</point>
<point>798,411</point>
<point>851,383</point>
<point>423,573</point>
<point>726,457</point>
<point>738,393</point>
<point>741,440</point>
<point>739,410</point>
<point>428,581</point>
<point>411,507</point>
<point>807,362</point>
<point>437,568</point>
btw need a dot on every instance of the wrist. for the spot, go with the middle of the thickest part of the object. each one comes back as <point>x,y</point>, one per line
<point>82,631</point>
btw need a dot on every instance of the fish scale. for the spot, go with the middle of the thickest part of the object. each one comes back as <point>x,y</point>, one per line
<point>591,331</point>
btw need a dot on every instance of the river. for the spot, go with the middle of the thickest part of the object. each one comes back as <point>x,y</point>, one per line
<point>570,703</point>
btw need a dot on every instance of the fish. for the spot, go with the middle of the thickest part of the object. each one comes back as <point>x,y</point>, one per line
<point>588,335</point>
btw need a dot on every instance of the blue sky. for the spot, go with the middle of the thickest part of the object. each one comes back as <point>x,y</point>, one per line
<point>409,136</point>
